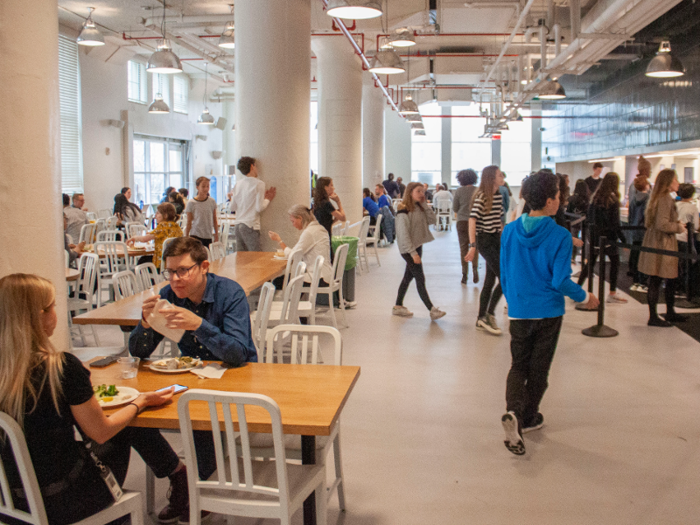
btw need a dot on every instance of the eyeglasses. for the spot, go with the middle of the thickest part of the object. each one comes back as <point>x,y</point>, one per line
<point>180,272</point>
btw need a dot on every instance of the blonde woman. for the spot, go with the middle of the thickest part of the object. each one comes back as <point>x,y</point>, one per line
<point>485,233</point>
<point>662,224</point>
<point>412,231</point>
<point>48,392</point>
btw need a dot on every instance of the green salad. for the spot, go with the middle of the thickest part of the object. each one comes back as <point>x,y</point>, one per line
<point>102,391</point>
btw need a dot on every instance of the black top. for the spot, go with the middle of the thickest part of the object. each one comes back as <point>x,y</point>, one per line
<point>392,188</point>
<point>606,221</point>
<point>593,183</point>
<point>324,215</point>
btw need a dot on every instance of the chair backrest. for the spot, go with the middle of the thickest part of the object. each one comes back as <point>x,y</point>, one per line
<point>88,273</point>
<point>91,216</point>
<point>233,406</point>
<point>347,228</point>
<point>110,236</point>
<point>116,256</point>
<point>341,256</point>
<point>315,278</point>
<point>148,274</point>
<point>103,214</point>
<point>182,221</point>
<point>135,229</point>
<point>305,343</point>
<point>364,229</point>
<point>125,285</point>
<point>292,262</point>
<point>262,318</point>
<point>162,259</point>
<point>101,224</point>
<point>111,222</point>
<point>337,228</point>
<point>88,233</point>
<point>224,232</point>
<point>444,206</point>
<point>290,299</point>
<point>377,235</point>
<point>15,437</point>
<point>217,251</point>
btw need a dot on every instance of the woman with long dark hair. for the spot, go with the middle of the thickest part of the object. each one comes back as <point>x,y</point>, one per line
<point>125,210</point>
<point>485,226</point>
<point>662,225</point>
<point>604,214</point>
<point>578,205</point>
<point>327,206</point>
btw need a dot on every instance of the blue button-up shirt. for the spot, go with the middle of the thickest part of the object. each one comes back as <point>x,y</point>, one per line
<point>225,333</point>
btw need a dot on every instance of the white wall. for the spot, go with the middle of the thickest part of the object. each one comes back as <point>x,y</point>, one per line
<point>397,144</point>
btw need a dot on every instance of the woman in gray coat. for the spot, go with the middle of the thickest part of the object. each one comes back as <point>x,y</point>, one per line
<point>662,226</point>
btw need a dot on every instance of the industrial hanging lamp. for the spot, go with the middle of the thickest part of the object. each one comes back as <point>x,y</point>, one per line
<point>664,64</point>
<point>353,9</point>
<point>164,60</point>
<point>403,38</point>
<point>408,106</point>
<point>226,39</point>
<point>89,34</point>
<point>158,106</point>
<point>206,119</point>
<point>387,62</point>
<point>552,90</point>
<point>420,132</point>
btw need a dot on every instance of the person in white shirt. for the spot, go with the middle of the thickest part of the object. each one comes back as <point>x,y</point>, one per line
<point>76,217</point>
<point>248,200</point>
<point>441,195</point>
<point>313,242</point>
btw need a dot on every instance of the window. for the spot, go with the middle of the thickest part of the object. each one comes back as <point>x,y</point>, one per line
<point>71,129</point>
<point>158,163</point>
<point>468,150</point>
<point>181,88</point>
<point>137,82</point>
<point>426,151</point>
<point>160,84</point>
<point>516,150</point>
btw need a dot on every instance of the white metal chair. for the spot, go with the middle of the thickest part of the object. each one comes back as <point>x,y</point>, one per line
<point>347,228</point>
<point>306,347</point>
<point>103,214</point>
<point>88,232</point>
<point>373,240</point>
<point>110,236</point>
<point>341,255</point>
<point>224,234</point>
<point>129,504</point>
<point>135,229</point>
<point>444,211</point>
<point>269,489</point>
<point>307,308</point>
<point>111,222</point>
<point>261,318</point>
<point>116,259</point>
<point>83,297</point>
<point>288,312</point>
<point>293,261</point>
<point>338,228</point>
<point>125,285</point>
<point>362,245</point>
<point>148,274</point>
<point>91,215</point>
<point>217,251</point>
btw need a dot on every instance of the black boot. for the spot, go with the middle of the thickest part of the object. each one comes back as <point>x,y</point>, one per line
<point>178,496</point>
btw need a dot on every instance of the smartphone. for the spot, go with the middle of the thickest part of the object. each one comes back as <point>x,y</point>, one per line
<point>178,388</point>
<point>105,361</point>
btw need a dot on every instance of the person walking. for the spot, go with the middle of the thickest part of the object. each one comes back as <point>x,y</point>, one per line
<point>662,225</point>
<point>637,209</point>
<point>413,220</point>
<point>462,206</point>
<point>201,215</point>
<point>485,226</point>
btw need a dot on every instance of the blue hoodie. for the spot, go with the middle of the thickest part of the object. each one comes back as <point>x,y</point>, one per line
<point>536,269</point>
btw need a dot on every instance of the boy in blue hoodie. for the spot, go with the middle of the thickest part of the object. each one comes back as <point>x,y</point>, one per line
<point>535,277</point>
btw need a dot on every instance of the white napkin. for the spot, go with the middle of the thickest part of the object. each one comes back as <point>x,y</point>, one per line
<point>159,323</point>
<point>211,371</point>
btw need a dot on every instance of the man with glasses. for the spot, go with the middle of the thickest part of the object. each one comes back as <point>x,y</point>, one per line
<point>75,215</point>
<point>214,313</point>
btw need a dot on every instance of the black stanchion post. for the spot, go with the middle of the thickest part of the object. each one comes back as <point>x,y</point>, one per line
<point>584,238</point>
<point>591,253</point>
<point>599,329</point>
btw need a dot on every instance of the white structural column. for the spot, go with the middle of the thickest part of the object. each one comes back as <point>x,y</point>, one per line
<point>340,119</point>
<point>372,132</point>
<point>229,134</point>
<point>30,181</point>
<point>273,68</point>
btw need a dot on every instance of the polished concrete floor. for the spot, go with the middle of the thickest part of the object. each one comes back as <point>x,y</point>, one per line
<point>421,434</point>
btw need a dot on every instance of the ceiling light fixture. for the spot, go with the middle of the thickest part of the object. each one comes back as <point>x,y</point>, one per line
<point>387,62</point>
<point>408,106</point>
<point>158,106</point>
<point>664,64</point>
<point>164,60</point>
<point>403,38</point>
<point>419,132</point>
<point>226,39</point>
<point>414,117</point>
<point>552,90</point>
<point>89,34</point>
<point>206,119</point>
<point>417,125</point>
<point>353,9</point>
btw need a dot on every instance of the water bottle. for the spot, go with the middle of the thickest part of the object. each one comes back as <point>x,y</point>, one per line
<point>141,204</point>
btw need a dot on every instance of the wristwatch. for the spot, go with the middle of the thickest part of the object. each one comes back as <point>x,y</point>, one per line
<point>471,245</point>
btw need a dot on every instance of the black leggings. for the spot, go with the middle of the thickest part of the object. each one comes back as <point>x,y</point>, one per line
<point>610,251</point>
<point>653,295</point>
<point>489,246</point>
<point>413,271</point>
<point>205,242</point>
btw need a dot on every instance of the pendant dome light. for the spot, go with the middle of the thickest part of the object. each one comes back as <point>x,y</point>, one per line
<point>420,132</point>
<point>408,106</point>
<point>387,62</point>
<point>552,90</point>
<point>403,38</point>
<point>353,9</point>
<point>414,117</point>
<point>226,39</point>
<point>89,34</point>
<point>664,64</point>
<point>164,60</point>
<point>158,106</point>
<point>206,119</point>
<point>417,125</point>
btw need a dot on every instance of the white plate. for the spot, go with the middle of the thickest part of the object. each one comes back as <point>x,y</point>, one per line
<point>274,257</point>
<point>171,371</point>
<point>126,395</point>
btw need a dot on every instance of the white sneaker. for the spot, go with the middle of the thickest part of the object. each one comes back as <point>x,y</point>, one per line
<point>436,313</point>
<point>634,288</point>
<point>488,324</point>
<point>615,299</point>
<point>401,311</point>
<point>349,305</point>
<point>514,440</point>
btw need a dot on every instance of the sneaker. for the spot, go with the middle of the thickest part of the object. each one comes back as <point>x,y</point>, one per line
<point>634,287</point>
<point>514,440</point>
<point>642,289</point>
<point>676,318</point>
<point>178,497</point>
<point>401,311</point>
<point>349,305</point>
<point>536,422</point>
<point>436,313</point>
<point>657,321</point>
<point>464,278</point>
<point>488,324</point>
<point>615,299</point>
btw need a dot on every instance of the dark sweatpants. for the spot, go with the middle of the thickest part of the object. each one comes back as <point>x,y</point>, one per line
<point>413,271</point>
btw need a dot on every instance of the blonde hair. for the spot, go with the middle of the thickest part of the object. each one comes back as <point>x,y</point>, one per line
<point>302,212</point>
<point>25,346</point>
<point>487,187</point>
<point>408,203</point>
<point>662,187</point>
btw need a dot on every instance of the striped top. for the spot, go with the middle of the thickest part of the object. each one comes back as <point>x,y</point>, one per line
<point>487,222</point>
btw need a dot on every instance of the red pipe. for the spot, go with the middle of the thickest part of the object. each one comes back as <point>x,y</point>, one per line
<point>426,54</point>
<point>415,33</point>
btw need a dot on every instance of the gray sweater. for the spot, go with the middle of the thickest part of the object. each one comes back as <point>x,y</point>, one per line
<point>412,228</point>
<point>462,203</point>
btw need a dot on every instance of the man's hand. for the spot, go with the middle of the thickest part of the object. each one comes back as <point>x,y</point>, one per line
<point>470,255</point>
<point>593,302</point>
<point>147,308</point>
<point>577,242</point>
<point>270,193</point>
<point>181,318</point>
<point>416,259</point>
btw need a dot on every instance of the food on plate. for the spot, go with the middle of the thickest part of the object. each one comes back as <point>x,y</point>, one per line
<point>105,393</point>
<point>177,363</point>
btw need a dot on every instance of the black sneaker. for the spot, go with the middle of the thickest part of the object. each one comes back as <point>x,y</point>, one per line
<point>657,321</point>
<point>514,439</point>
<point>178,497</point>
<point>464,278</point>
<point>536,422</point>
<point>676,318</point>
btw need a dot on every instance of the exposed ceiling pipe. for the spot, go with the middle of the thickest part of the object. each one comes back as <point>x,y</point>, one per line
<point>575,17</point>
<point>173,21</point>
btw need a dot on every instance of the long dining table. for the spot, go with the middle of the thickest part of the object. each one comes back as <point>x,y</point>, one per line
<point>311,399</point>
<point>249,269</point>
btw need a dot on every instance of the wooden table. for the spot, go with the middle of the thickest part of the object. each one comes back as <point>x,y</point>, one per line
<point>249,269</point>
<point>310,397</point>
<point>131,251</point>
<point>72,274</point>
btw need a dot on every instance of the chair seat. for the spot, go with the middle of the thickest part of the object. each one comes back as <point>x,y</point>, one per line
<point>291,442</point>
<point>78,304</point>
<point>303,309</point>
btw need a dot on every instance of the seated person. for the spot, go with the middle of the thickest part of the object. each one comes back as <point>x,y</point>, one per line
<point>74,250</point>
<point>441,195</point>
<point>76,216</point>
<point>214,313</point>
<point>387,225</point>
<point>370,207</point>
<point>167,228</point>
<point>382,199</point>
<point>428,193</point>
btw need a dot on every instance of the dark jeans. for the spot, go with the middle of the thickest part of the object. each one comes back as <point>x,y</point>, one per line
<point>205,242</point>
<point>489,246</point>
<point>610,251</point>
<point>463,236</point>
<point>653,295</point>
<point>532,346</point>
<point>637,276</point>
<point>413,271</point>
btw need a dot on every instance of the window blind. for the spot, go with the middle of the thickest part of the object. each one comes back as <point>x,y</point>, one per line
<point>71,126</point>
<point>161,84</point>
<point>137,82</point>
<point>180,93</point>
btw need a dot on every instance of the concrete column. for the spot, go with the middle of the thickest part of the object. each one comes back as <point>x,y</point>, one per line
<point>30,173</point>
<point>536,163</point>
<point>446,146</point>
<point>339,76</point>
<point>372,132</point>
<point>496,152</point>
<point>229,135</point>
<point>273,67</point>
